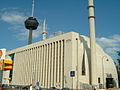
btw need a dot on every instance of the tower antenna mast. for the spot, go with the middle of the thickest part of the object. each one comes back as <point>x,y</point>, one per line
<point>33,8</point>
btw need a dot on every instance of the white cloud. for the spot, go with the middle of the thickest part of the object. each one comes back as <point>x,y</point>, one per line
<point>23,33</point>
<point>59,32</point>
<point>36,33</point>
<point>105,42</point>
<point>15,27</point>
<point>116,37</point>
<point>8,9</point>
<point>110,44</point>
<point>13,17</point>
<point>112,50</point>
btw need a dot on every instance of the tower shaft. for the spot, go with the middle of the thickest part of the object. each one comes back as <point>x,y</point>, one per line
<point>30,37</point>
<point>93,79</point>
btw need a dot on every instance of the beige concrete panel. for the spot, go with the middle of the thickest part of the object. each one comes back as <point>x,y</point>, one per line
<point>26,61</point>
<point>68,62</point>
<point>45,60</point>
<point>29,63</point>
<point>63,63</point>
<point>52,65</point>
<point>31,66</point>
<point>38,59</point>
<point>24,67</point>
<point>37,64</point>
<point>46,66</point>
<point>43,66</point>
<point>13,79</point>
<point>51,47</point>
<point>77,56</point>
<point>55,52</point>
<point>80,55</point>
<point>40,62</point>
<point>75,38</point>
<point>20,73</point>
<point>61,66</point>
<point>41,59</point>
<point>58,64</point>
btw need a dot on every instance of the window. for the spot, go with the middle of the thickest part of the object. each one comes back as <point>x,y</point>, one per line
<point>98,79</point>
<point>83,65</point>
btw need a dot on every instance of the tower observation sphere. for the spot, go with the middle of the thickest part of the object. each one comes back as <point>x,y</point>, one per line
<point>31,23</point>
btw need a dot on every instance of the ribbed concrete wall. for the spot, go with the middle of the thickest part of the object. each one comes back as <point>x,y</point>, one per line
<point>44,63</point>
<point>51,61</point>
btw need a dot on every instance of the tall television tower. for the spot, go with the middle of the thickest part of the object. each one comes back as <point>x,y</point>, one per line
<point>31,23</point>
<point>93,79</point>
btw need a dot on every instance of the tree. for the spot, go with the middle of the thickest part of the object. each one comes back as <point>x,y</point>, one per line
<point>118,52</point>
<point>118,67</point>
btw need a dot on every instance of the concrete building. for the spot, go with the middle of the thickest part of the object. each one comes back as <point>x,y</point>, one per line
<point>62,60</point>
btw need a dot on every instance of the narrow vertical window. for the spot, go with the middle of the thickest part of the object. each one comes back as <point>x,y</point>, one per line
<point>83,65</point>
<point>98,79</point>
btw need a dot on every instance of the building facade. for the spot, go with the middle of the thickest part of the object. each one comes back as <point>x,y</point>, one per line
<point>62,60</point>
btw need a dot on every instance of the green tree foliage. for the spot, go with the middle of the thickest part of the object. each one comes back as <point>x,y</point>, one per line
<point>118,58</point>
<point>118,67</point>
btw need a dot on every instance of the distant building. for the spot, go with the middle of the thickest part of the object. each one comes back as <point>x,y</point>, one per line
<point>62,60</point>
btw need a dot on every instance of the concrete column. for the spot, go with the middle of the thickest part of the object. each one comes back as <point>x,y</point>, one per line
<point>55,64</point>
<point>58,62</point>
<point>41,65</point>
<point>61,66</point>
<point>46,67</point>
<point>49,65</point>
<point>40,54</point>
<point>52,84</point>
<point>92,42</point>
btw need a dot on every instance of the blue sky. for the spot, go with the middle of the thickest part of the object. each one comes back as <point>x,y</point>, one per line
<point>61,15</point>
